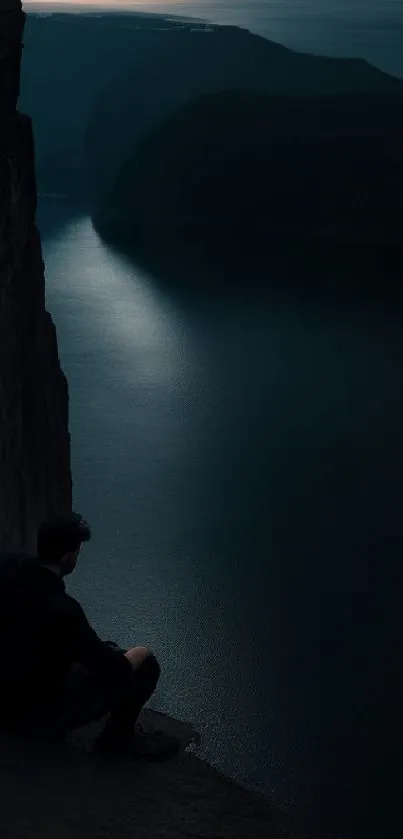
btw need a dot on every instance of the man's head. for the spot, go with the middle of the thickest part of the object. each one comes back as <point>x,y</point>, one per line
<point>59,541</point>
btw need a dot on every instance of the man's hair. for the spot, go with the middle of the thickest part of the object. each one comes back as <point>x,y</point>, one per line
<point>61,535</point>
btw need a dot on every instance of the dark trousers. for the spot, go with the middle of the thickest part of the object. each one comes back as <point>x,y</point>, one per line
<point>87,699</point>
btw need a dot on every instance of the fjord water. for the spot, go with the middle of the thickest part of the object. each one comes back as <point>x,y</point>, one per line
<point>241,462</point>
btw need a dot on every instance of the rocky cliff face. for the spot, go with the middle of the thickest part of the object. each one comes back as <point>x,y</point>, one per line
<point>329,166</point>
<point>35,478</point>
<point>319,178</point>
<point>192,64</point>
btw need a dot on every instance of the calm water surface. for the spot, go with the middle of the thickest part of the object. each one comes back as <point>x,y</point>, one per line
<point>241,464</point>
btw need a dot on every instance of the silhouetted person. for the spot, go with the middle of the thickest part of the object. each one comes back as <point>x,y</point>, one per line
<point>57,674</point>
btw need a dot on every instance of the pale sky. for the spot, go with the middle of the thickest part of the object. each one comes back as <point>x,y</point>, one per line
<point>154,5</point>
<point>111,3</point>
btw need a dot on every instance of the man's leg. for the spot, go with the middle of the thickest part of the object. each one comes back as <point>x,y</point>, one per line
<point>125,710</point>
<point>119,736</point>
<point>86,700</point>
<point>137,655</point>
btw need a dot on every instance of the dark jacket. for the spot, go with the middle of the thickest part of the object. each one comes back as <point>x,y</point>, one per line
<point>43,631</point>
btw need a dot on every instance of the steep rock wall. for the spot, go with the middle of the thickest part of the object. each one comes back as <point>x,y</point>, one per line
<point>35,477</point>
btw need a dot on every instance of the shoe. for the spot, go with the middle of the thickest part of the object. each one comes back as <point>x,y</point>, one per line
<point>155,746</point>
<point>141,728</point>
<point>142,746</point>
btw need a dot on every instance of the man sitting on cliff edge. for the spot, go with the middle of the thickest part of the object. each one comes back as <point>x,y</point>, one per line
<point>57,674</point>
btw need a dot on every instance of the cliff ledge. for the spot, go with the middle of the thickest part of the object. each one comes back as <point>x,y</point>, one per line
<point>35,479</point>
<point>67,794</point>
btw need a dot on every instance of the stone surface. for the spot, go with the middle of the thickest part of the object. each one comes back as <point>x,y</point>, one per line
<point>318,178</point>
<point>191,65</point>
<point>68,794</point>
<point>323,166</point>
<point>35,479</point>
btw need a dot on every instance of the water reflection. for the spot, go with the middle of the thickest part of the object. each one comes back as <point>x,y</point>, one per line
<point>242,465</point>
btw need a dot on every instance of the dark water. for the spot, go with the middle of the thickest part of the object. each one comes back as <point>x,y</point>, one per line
<point>241,465</point>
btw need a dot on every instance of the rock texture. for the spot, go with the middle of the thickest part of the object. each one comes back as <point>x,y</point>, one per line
<point>35,479</point>
<point>66,794</point>
<point>328,166</point>
<point>229,173</point>
<point>192,64</point>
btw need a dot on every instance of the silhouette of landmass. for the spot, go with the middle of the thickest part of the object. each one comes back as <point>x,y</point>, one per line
<point>232,172</point>
<point>114,76</point>
<point>67,794</point>
<point>186,64</point>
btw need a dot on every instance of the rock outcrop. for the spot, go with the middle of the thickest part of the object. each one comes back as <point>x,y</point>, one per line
<point>35,478</point>
<point>328,166</point>
<point>64,100</point>
<point>230,173</point>
<point>68,795</point>
<point>187,64</point>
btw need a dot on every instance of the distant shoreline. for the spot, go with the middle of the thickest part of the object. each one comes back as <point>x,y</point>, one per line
<point>376,39</point>
<point>51,9</point>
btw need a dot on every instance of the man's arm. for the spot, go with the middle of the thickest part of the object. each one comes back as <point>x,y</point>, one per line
<point>88,649</point>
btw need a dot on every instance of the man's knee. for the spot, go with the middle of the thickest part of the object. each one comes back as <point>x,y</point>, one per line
<point>139,656</point>
<point>146,676</point>
<point>150,670</point>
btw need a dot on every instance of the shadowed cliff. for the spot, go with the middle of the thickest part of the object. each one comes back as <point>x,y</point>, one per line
<point>68,795</point>
<point>35,478</point>
<point>186,65</point>
<point>128,71</point>
<point>241,178</point>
